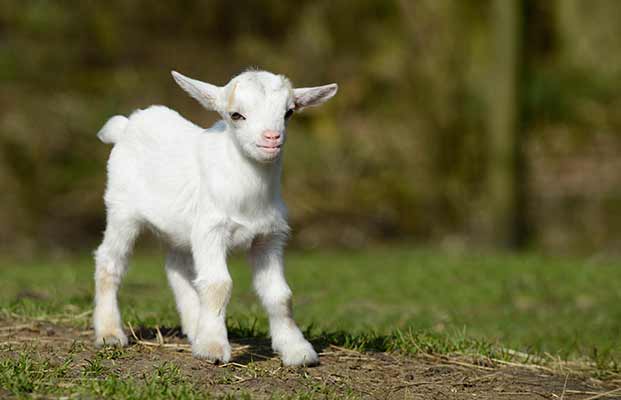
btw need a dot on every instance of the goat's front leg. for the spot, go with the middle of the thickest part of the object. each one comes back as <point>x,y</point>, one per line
<point>269,282</point>
<point>213,285</point>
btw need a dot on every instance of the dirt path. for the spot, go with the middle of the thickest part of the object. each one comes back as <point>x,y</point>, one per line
<point>342,373</point>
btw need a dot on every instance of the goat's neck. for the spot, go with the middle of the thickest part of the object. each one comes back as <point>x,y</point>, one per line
<point>263,179</point>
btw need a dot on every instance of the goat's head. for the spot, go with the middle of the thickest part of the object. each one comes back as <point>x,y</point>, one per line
<point>256,105</point>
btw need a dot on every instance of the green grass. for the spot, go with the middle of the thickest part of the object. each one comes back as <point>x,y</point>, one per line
<point>373,299</point>
<point>29,374</point>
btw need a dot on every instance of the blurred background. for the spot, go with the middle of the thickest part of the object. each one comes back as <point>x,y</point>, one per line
<point>476,124</point>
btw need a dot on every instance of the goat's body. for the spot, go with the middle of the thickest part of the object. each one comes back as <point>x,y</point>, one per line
<point>157,178</point>
<point>205,191</point>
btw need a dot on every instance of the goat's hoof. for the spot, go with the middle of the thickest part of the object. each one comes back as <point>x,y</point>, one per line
<point>118,339</point>
<point>216,352</point>
<point>299,354</point>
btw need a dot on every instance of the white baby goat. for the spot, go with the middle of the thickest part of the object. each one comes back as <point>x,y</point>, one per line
<point>206,191</point>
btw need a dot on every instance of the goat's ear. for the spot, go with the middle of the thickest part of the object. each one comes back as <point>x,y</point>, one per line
<point>206,94</point>
<point>313,96</point>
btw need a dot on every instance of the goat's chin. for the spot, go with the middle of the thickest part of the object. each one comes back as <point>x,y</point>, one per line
<point>268,158</point>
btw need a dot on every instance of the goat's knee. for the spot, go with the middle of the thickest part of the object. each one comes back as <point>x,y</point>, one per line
<point>214,296</point>
<point>211,340</point>
<point>276,300</point>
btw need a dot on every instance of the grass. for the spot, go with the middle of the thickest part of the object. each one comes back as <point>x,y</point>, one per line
<point>381,299</point>
<point>533,303</point>
<point>28,374</point>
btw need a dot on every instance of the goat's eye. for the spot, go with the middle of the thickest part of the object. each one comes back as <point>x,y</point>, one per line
<point>237,116</point>
<point>289,113</point>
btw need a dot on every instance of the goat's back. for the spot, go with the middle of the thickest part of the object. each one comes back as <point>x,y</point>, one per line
<point>153,170</point>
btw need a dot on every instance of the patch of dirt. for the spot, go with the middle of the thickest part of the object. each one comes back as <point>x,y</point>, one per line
<point>342,372</point>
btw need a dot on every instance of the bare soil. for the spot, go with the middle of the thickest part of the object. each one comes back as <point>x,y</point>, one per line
<point>342,372</point>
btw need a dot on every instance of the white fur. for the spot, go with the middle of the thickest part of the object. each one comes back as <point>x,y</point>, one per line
<point>206,192</point>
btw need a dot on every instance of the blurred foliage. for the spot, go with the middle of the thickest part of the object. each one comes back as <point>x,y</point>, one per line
<point>399,153</point>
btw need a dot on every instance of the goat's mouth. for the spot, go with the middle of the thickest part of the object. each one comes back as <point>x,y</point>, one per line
<point>270,149</point>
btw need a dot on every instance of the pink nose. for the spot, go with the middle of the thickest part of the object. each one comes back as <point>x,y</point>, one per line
<point>271,136</point>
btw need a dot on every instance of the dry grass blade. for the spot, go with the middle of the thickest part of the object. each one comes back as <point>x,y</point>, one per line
<point>523,365</point>
<point>260,356</point>
<point>10,342</point>
<point>160,342</point>
<point>564,387</point>
<point>467,365</point>
<point>17,327</point>
<point>522,355</point>
<point>571,391</point>
<point>131,329</point>
<point>411,384</point>
<point>354,357</point>
<point>160,338</point>
<point>605,394</point>
<point>344,349</point>
<point>67,318</point>
<point>446,360</point>
<point>515,393</point>
<point>484,377</point>
<point>233,364</point>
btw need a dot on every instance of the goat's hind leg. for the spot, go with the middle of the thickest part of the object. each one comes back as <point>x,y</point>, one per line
<point>181,273</point>
<point>110,265</point>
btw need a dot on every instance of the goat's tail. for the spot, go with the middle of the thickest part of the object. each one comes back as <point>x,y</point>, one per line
<point>113,129</point>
